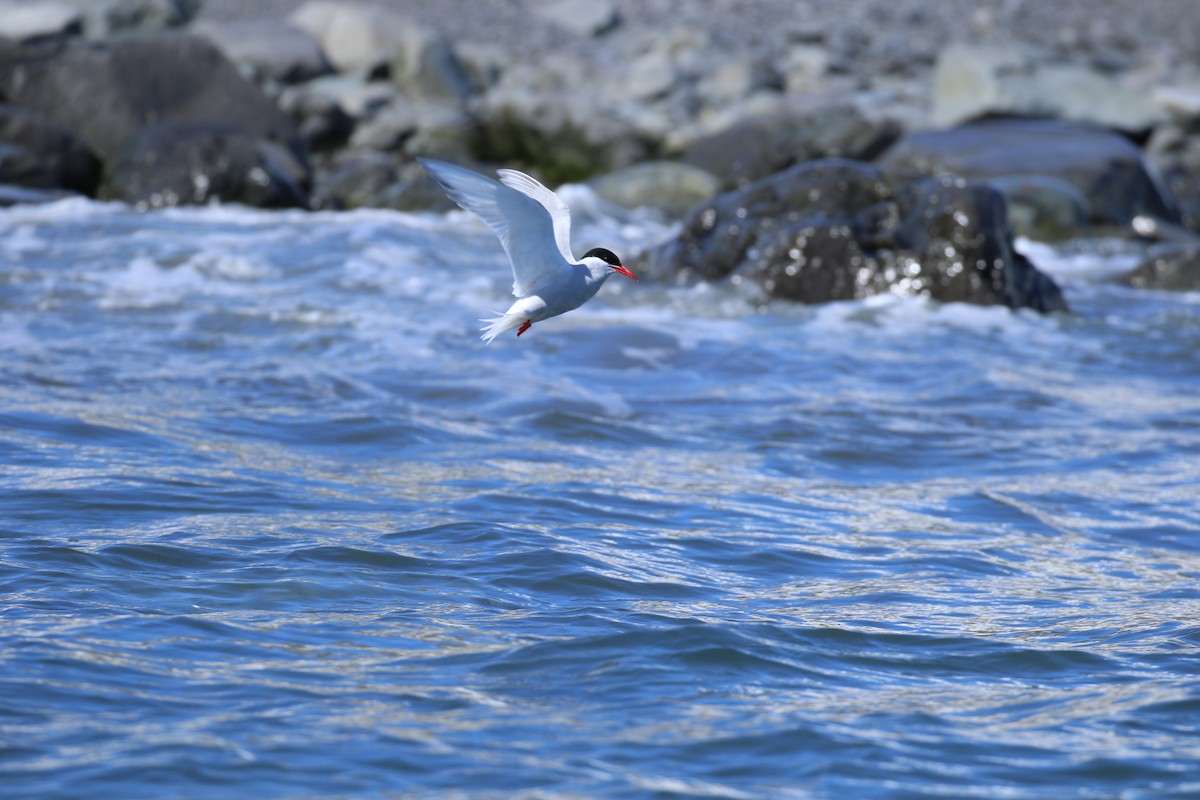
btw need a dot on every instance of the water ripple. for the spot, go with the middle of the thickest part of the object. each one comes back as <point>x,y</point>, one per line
<point>272,522</point>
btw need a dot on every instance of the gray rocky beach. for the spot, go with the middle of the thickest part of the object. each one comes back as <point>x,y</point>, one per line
<point>823,150</point>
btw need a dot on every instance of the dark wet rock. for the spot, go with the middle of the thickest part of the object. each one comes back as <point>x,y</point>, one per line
<point>272,50</point>
<point>791,133</point>
<point>1172,267</point>
<point>107,93</point>
<point>957,232</point>
<point>1104,168</point>
<point>972,82</point>
<point>189,163</point>
<point>668,186</point>
<point>322,122</point>
<point>840,230</point>
<point>20,166</point>
<point>64,160</point>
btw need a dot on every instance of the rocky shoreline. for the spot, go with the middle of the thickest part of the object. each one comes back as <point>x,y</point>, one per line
<point>820,156</point>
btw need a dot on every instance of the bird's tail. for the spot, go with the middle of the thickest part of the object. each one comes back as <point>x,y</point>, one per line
<point>498,325</point>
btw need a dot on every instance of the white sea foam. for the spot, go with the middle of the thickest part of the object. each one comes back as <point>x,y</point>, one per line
<point>22,239</point>
<point>68,209</point>
<point>1087,261</point>
<point>144,284</point>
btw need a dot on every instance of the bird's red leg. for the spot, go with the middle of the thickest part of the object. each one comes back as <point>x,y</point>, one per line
<point>524,326</point>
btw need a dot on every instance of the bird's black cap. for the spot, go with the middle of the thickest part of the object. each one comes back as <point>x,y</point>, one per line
<point>607,256</point>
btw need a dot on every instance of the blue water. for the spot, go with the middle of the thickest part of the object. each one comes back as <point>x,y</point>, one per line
<point>274,522</point>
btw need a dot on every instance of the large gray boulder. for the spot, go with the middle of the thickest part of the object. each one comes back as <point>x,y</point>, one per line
<point>271,49</point>
<point>840,230</point>
<point>790,132</point>
<point>1102,170</point>
<point>368,39</point>
<point>972,82</point>
<point>106,93</point>
<point>537,116</point>
<point>356,37</point>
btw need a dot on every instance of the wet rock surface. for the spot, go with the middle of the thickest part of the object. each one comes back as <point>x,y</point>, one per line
<point>841,230</point>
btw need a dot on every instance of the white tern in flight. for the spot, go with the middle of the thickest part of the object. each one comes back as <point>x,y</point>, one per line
<point>534,227</point>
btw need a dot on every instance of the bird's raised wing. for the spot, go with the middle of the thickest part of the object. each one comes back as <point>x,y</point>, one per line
<point>533,225</point>
<point>560,215</point>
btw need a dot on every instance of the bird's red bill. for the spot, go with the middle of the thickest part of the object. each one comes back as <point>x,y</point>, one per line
<point>625,271</point>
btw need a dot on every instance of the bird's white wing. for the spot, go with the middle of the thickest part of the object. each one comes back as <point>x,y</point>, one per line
<point>530,221</point>
<point>560,215</point>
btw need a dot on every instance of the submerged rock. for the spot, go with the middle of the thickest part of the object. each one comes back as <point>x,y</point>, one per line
<point>840,230</point>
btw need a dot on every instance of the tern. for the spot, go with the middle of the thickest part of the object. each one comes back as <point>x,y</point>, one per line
<point>534,227</point>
